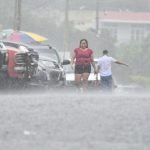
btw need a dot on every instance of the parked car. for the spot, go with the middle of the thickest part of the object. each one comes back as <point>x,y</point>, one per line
<point>49,71</point>
<point>50,68</point>
<point>18,64</point>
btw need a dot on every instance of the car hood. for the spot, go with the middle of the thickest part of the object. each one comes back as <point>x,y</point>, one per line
<point>45,58</point>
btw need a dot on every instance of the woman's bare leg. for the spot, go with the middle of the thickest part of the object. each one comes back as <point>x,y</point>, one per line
<point>78,80</point>
<point>85,77</point>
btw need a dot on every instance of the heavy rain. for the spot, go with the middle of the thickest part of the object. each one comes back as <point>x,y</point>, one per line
<point>74,75</point>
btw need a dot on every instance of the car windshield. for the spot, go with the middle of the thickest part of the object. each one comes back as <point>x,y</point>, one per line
<point>51,54</point>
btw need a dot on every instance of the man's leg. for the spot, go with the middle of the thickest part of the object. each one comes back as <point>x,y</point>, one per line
<point>103,83</point>
<point>109,83</point>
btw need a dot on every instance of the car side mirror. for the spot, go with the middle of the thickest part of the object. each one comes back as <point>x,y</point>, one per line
<point>65,62</point>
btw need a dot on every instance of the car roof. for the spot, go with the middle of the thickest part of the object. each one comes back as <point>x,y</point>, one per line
<point>14,44</point>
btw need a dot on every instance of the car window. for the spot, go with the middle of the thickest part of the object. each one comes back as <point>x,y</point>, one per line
<point>49,53</point>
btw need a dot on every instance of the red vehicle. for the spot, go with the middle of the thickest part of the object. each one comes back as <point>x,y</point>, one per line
<point>17,64</point>
<point>31,65</point>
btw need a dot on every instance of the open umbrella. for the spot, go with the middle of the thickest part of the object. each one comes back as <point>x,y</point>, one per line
<point>22,36</point>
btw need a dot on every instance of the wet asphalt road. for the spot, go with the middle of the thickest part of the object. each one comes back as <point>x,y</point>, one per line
<point>50,120</point>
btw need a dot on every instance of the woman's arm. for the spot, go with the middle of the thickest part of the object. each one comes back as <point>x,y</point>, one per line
<point>93,64</point>
<point>72,58</point>
<point>97,70</point>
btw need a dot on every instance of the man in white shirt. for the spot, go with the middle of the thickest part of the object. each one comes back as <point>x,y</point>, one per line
<point>104,67</point>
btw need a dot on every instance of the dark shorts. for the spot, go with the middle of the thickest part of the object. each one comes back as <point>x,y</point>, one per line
<point>106,83</point>
<point>79,69</point>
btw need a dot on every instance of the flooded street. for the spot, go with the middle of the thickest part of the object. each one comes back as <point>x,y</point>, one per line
<point>67,121</point>
<point>57,57</point>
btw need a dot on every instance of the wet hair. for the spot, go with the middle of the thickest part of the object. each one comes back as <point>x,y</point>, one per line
<point>85,41</point>
<point>105,51</point>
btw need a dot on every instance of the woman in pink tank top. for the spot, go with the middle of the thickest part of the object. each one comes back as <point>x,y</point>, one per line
<point>83,59</point>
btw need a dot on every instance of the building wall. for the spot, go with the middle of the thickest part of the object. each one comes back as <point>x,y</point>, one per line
<point>124,33</point>
<point>123,30</point>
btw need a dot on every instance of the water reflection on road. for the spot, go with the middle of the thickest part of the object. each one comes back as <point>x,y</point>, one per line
<point>67,120</point>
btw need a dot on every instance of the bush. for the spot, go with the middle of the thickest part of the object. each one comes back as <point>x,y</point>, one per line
<point>141,80</point>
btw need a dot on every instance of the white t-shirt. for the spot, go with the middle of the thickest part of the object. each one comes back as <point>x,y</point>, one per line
<point>105,65</point>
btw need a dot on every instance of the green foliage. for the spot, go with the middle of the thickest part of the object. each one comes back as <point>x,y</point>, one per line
<point>130,52</point>
<point>106,41</point>
<point>141,80</point>
<point>137,55</point>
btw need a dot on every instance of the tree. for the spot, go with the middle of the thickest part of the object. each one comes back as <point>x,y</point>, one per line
<point>145,55</point>
<point>137,56</point>
<point>106,41</point>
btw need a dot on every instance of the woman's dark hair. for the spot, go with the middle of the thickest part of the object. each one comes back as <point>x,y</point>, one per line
<point>85,41</point>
